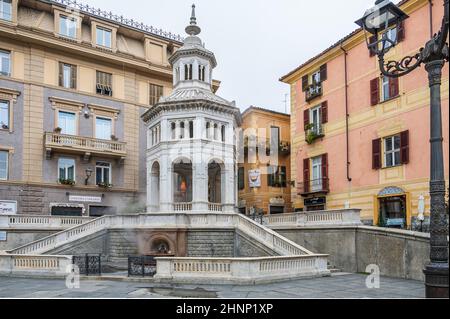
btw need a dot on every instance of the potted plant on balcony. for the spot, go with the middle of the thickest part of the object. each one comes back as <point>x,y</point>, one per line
<point>69,182</point>
<point>4,126</point>
<point>57,130</point>
<point>104,185</point>
<point>311,134</point>
<point>114,138</point>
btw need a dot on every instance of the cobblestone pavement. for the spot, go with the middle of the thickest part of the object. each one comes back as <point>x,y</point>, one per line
<point>337,286</point>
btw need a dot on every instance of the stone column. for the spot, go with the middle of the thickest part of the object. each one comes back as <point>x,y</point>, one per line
<point>166,184</point>
<point>229,194</point>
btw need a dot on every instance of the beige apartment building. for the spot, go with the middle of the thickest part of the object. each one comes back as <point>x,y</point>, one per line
<point>264,171</point>
<point>74,82</point>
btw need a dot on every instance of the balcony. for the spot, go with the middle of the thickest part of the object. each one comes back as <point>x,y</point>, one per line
<point>87,146</point>
<point>314,132</point>
<point>284,147</point>
<point>313,91</point>
<point>316,186</point>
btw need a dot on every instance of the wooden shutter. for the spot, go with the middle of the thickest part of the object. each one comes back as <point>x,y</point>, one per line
<point>376,154</point>
<point>73,80</point>
<point>306,119</point>
<point>393,87</point>
<point>61,74</point>
<point>404,147</point>
<point>306,177</point>
<point>324,112</point>
<point>401,32</point>
<point>305,83</point>
<point>375,91</point>
<point>325,180</point>
<point>372,40</point>
<point>323,73</point>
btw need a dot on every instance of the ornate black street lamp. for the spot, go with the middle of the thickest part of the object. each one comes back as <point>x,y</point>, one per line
<point>376,22</point>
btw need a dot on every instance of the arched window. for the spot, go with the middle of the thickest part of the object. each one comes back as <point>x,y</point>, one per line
<point>191,129</point>
<point>208,126</point>
<point>223,133</point>
<point>201,72</point>
<point>173,128</point>
<point>216,132</point>
<point>182,133</point>
<point>188,71</point>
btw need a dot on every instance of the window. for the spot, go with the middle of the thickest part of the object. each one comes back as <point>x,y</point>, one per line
<point>4,115</point>
<point>201,72</point>
<point>104,83</point>
<point>67,75</point>
<point>68,26</point>
<point>6,10</point>
<point>385,94</point>
<point>316,178</point>
<point>315,119</point>
<point>208,130</point>
<point>104,37</point>
<point>182,133</point>
<point>103,173</point>
<point>191,129</point>
<point>392,148</point>
<point>103,128</point>
<point>315,77</point>
<point>277,176</point>
<point>67,122</point>
<point>66,169</point>
<point>390,34</point>
<point>223,133</point>
<point>241,178</point>
<point>156,91</point>
<point>5,63</point>
<point>173,129</point>
<point>188,72</point>
<point>4,165</point>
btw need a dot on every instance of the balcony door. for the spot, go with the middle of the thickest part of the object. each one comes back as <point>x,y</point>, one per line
<point>316,178</point>
<point>103,128</point>
<point>67,123</point>
<point>315,119</point>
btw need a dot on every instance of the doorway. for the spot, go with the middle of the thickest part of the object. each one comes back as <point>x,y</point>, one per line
<point>392,212</point>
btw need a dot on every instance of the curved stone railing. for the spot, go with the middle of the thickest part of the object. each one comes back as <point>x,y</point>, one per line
<point>40,222</point>
<point>264,235</point>
<point>344,217</point>
<point>240,270</point>
<point>34,264</point>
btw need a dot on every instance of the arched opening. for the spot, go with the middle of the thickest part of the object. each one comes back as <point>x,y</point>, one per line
<point>161,247</point>
<point>155,184</point>
<point>182,177</point>
<point>215,179</point>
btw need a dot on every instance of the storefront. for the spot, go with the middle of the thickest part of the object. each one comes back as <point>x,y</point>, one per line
<point>392,208</point>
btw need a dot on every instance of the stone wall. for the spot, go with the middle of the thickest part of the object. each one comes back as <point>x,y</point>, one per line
<point>210,243</point>
<point>398,253</point>
<point>17,238</point>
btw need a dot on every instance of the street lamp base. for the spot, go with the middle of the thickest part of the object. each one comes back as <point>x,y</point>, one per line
<point>436,281</point>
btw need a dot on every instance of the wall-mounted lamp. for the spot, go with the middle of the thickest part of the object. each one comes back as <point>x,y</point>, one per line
<point>87,114</point>
<point>89,172</point>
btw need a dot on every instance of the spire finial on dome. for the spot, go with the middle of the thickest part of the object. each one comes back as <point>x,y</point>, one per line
<point>193,28</point>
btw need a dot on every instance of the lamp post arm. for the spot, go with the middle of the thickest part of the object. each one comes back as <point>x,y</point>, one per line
<point>443,33</point>
<point>396,69</point>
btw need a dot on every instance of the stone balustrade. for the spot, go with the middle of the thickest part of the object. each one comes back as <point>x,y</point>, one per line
<point>240,270</point>
<point>344,217</point>
<point>40,222</point>
<point>16,265</point>
<point>212,207</point>
<point>182,207</point>
<point>212,220</point>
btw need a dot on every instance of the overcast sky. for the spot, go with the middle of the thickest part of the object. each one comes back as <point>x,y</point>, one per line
<point>255,41</point>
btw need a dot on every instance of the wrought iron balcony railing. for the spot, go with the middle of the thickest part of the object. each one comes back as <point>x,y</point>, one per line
<point>284,147</point>
<point>320,185</point>
<point>83,145</point>
<point>313,91</point>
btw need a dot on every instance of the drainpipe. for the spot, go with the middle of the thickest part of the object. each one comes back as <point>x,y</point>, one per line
<point>430,5</point>
<point>347,115</point>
